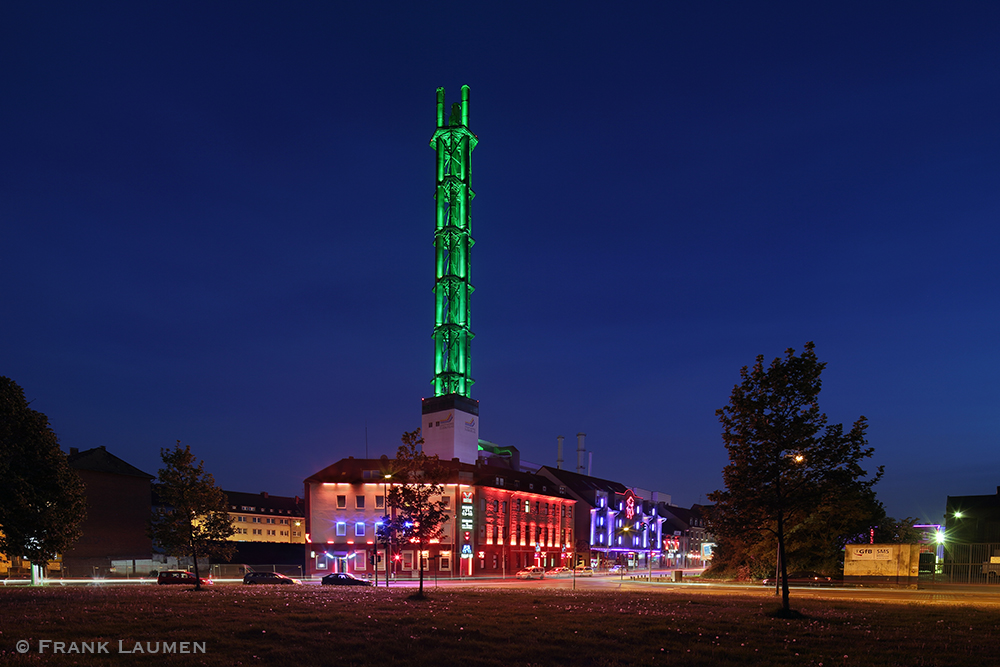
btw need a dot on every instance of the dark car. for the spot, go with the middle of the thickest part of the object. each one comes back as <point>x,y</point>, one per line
<point>802,578</point>
<point>343,579</point>
<point>251,578</point>
<point>168,577</point>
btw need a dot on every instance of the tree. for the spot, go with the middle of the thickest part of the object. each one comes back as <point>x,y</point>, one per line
<point>785,462</point>
<point>415,516</point>
<point>42,500</point>
<point>192,518</point>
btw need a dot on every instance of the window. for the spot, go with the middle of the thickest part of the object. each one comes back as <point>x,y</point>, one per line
<point>446,500</point>
<point>379,502</point>
<point>527,505</point>
<point>341,529</point>
<point>256,519</point>
<point>241,519</point>
<point>342,502</point>
<point>359,529</point>
<point>359,502</point>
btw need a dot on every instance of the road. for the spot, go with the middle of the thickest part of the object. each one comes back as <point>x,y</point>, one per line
<point>940,593</point>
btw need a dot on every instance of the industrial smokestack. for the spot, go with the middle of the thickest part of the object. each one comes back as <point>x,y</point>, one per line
<point>559,458</point>
<point>580,449</point>
<point>590,464</point>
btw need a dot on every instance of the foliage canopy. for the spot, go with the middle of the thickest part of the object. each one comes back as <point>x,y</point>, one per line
<point>42,500</point>
<point>192,518</point>
<point>790,473</point>
<point>417,513</point>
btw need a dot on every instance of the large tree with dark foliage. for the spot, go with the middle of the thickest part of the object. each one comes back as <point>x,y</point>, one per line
<point>417,514</point>
<point>192,518</point>
<point>786,463</point>
<point>42,500</point>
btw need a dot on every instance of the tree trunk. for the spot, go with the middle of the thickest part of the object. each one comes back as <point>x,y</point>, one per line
<point>420,561</point>
<point>197,576</point>
<point>783,565</point>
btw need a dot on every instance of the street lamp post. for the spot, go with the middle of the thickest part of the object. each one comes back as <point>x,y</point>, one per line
<point>388,539</point>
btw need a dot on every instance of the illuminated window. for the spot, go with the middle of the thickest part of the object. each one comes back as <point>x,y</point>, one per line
<point>341,528</point>
<point>359,529</point>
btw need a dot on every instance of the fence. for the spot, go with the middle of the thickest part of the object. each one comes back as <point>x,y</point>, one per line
<point>233,571</point>
<point>971,563</point>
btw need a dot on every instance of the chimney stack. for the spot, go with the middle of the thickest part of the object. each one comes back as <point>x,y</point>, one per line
<point>580,449</point>
<point>559,457</point>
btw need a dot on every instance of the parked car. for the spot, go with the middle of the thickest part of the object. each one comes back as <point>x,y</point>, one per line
<point>531,573</point>
<point>169,577</point>
<point>615,569</point>
<point>584,571</point>
<point>802,578</point>
<point>343,579</point>
<point>268,578</point>
<point>559,572</point>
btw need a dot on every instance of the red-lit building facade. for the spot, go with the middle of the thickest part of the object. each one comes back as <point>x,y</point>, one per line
<point>500,520</point>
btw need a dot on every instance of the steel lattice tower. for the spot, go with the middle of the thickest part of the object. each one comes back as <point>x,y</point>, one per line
<point>454,143</point>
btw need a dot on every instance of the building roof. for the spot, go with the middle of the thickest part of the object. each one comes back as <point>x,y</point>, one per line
<point>583,485</point>
<point>265,503</point>
<point>99,459</point>
<point>360,471</point>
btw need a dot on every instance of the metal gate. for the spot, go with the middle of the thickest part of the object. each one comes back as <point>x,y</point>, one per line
<point>972,563</point>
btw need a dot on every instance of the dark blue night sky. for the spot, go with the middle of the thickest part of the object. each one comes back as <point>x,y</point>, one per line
<point>217,226</point>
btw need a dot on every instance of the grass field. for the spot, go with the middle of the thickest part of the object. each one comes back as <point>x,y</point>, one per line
<point>311,625</point>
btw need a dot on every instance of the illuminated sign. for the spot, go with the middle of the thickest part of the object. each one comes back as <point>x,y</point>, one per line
<point>466,551</point>
<point>629,504</point>
<point>466,516</point>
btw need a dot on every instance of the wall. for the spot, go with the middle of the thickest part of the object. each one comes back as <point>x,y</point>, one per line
<point>882,564</point>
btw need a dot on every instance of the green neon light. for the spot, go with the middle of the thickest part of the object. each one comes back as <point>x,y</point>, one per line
<point>454,143</point>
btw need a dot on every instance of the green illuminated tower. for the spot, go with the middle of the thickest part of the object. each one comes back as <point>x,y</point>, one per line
<point>451,418</point>
<point>452,243</point>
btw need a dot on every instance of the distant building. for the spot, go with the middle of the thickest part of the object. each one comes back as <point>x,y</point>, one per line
<point>973,519</point>
<point>687,542</point>
<point>270,531</point>
<point>261,517</point>
<point>115,537</point>
<point>501,520</point>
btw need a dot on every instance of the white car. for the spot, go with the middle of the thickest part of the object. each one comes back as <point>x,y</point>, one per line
<point>531,573</point>
<point>584,571</point>
<point>559,573</point>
